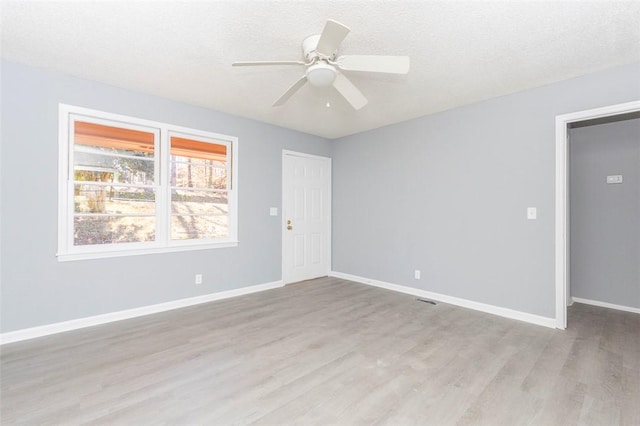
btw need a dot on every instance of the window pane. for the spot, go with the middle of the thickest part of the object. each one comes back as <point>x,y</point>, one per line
<point>198,173</point>
<point>188,202</point>
<point>114,139</point>
<point>113,154</point>
<point>94,167</point>
<point>110,229</point>
<point>184,147</point>
<point>198,164</point>
<point>199,214</point>
<point>113,199</point>
<point>199,227</point>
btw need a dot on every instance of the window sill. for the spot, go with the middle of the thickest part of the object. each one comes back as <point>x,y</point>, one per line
<point>67,257</point>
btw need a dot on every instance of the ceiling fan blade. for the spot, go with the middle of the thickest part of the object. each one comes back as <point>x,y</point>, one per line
<point>373,63</point>
<point>332,35</point>
<point>254,63</point>
<point>349,91</point>
<point>290,91</point>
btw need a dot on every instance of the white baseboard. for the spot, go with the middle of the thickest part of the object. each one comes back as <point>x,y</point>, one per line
<point>606,305</point>
<point>482,307</point>
<point>59,327</point>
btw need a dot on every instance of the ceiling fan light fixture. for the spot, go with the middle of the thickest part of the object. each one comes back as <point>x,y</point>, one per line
<point>320,53</point>
<point>321,74</point>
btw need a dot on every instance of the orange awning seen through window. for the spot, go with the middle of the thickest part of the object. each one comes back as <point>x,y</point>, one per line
<point>184,147</point>
<point>113,137</point>
<point>92,134</point>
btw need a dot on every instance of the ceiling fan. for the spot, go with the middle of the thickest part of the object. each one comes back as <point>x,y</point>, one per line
<point>323,66</point>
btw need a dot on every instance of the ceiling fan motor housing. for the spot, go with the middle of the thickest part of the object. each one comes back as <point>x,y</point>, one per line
<point>309,46</point>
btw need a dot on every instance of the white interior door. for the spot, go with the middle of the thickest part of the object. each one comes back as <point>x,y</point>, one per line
<point>306,216</point>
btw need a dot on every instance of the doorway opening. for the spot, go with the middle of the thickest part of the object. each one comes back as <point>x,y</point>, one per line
<point>562,246</point>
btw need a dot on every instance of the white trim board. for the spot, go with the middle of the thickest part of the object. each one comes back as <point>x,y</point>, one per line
<point>606,305</point>
<point>477,306</point>
<point>59,327</point>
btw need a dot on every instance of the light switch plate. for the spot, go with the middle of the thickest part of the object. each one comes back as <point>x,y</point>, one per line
<point>273,211</point>
<point>614,179</point>
<point>532,213</point>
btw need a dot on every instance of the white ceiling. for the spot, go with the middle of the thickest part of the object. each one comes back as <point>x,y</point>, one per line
<point>461,52</point>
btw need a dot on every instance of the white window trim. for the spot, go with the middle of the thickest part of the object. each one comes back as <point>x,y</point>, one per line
<point>163,244</point>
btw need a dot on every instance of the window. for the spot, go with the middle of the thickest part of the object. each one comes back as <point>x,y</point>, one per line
<point>131,186</point>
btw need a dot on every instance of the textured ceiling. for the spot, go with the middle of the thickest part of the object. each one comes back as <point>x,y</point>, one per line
<point>461,52</point>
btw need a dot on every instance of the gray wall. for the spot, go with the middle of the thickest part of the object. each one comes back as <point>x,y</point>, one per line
<point>447,194</point>
<point>605,219</point>
<point>37,289</point>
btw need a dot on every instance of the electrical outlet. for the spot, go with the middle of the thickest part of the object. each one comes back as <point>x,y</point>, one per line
<point>198,279</point>
<point>416,274</point>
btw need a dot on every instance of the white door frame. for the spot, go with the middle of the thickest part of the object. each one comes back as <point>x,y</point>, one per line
<point>562,198</point>
<point>283,224</point>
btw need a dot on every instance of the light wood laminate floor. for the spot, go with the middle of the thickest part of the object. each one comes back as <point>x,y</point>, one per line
<point>329,352</point>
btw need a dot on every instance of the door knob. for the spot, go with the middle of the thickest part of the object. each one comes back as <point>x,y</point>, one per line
<point>289,227</point>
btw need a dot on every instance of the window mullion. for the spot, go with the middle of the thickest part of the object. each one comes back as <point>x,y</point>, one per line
<point>232,186</point>
<point>70,207</point>
<point>161,187</point>
<point>229,166</point>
